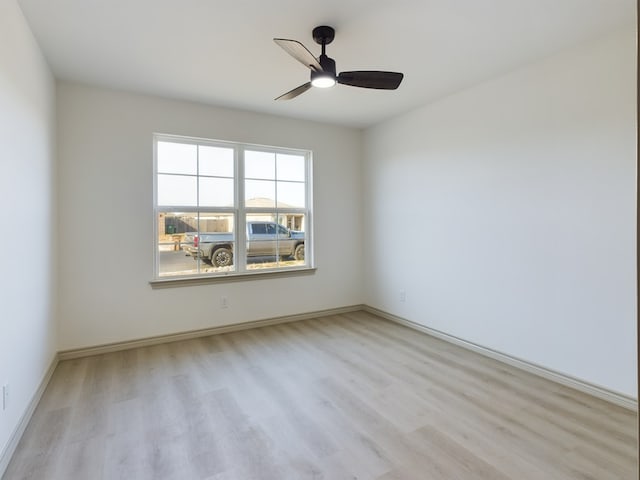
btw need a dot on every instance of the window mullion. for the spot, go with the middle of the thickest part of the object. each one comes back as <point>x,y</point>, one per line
<point>277,215</point>
<point>198,220</point>
<point>241,229</point>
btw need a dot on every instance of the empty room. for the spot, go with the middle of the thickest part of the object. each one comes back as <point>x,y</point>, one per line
<point>336,240</point>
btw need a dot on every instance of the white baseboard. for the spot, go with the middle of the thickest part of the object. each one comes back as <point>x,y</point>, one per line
<point>561,378</point>
<point>14,439</point>
<point>175,337</point>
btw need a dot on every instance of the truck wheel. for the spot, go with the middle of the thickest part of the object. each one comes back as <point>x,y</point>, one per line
<point>222,257</point>
<point>298,253</point>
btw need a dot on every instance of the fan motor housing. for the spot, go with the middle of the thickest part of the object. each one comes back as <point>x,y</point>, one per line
<point>323,34</point>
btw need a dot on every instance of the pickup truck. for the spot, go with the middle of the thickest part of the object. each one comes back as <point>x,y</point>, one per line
<point>263,238</point>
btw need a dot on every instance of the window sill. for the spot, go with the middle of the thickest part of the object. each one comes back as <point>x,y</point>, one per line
<point>230,277</point>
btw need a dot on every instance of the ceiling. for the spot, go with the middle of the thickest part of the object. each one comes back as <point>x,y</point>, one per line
<point>221,52</point>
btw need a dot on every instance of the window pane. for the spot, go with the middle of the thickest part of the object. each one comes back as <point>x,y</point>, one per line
<point>260,165</point>
<point>216,192</point>
<point>175,238</point>
<point>293,253</point>
<point>291,195</point>
<point>216,161</point>
<point>260,193</point>
<point>189,243</point>
<point>216,242</point>
<point>291,167</point>
<point>272,242</point>
<point>262,242</point>
<point>177,190</point>
<point>177,158</point>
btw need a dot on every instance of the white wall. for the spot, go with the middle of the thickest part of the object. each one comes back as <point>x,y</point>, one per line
<point>106,218</point>
<point>507,213</point>
<point>27,196</point>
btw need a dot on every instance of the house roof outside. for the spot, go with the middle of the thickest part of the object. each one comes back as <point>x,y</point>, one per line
<point>266,203</point>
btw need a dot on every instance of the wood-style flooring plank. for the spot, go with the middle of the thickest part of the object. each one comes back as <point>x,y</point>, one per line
<point>343,397</point>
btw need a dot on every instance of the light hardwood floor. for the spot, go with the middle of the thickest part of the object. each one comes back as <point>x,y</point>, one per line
<point>343,397</point>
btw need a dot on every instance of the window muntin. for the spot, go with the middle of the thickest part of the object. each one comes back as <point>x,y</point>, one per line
<point>209,196</point>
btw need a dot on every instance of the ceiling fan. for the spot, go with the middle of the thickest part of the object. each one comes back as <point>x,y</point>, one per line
<point>323,69</point>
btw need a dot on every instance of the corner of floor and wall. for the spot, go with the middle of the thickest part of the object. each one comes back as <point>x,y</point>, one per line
<point>28,330</point>
<point>502,217</point>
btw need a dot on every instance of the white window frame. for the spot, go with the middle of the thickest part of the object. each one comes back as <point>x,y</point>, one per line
<point>239,211</point>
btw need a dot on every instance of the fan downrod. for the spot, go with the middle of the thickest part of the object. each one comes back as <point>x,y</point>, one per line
<point>323,35</point>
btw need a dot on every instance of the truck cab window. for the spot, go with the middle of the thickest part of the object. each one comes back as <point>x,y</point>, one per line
<point>259,228</point>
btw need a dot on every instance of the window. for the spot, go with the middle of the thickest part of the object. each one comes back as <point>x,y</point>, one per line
<point>224,208</point>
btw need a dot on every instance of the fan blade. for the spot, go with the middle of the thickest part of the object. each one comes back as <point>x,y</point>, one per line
<point>295,92</point>
<point>300,53</point>
<point>371,79</point>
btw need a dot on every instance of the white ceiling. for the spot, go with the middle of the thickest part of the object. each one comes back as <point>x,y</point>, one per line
<point>221,52</point>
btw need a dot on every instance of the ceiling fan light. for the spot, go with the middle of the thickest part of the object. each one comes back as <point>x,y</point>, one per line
<point>323,81</point>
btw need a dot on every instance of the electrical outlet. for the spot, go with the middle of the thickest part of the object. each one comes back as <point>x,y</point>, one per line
<point>224,302</point>
<point>5,396</point>
<point>403,296</point>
